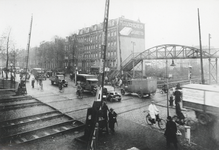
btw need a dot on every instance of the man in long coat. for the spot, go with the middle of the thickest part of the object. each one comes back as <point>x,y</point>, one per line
<point>170,132</point>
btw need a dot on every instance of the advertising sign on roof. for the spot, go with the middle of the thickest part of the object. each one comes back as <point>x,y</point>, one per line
<point>131,28</point>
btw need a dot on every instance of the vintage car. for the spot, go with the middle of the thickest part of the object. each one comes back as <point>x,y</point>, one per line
<point>142,87</point>
<point>110,94</point>
<point>88,83</point>
<point>48,74</point>
<point>56,80</point>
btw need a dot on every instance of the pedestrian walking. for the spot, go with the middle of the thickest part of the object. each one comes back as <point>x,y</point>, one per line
<point>171,96</point>
<point>120,83</point>
<point>180,115</point>
<point>112,120</point>
<point>178,96</point>
<point>40,84</point>
<point>170,133</point>
<point>105,110</point>
<point>32,80</point>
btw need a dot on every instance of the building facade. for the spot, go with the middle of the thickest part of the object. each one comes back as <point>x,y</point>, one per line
<point>124,38</point>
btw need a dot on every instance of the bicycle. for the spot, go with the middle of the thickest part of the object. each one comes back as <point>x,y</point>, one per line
<point>186,122</point>
<point>79,94</point>
<point>161,122</point>
<point>61,88</point>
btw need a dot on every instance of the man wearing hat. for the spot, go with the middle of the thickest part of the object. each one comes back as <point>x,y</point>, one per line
<point>112,119</point>
<point>170,132</point>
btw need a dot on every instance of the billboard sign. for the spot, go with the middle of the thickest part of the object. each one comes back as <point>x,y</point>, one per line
<point>131,29</point>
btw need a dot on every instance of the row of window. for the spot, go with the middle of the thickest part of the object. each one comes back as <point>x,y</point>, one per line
<point>109,63</point>
<point>98,55</point>
<point>98,46</point>
<point>98,36</point>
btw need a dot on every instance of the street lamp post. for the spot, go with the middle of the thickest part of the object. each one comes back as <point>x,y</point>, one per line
<point>168,84</point>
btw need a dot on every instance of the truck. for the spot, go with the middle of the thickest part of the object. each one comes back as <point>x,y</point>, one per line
<point>143,86</point>
<point>39,73</point>
<point>203,99</point>
<point>88,82</point>
<point>56,79</point>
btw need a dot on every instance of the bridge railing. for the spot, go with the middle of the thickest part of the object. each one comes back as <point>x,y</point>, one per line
<point>174,83</point>
<point>130,58</point>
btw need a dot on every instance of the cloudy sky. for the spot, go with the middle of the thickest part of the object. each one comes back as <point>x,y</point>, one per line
<point>166,21</point>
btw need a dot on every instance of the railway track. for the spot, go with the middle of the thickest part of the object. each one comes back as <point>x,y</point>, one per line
<point>48,123</point>
<point>32,125</point>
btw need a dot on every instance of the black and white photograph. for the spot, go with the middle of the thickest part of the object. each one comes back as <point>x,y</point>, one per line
<point>109,75</point>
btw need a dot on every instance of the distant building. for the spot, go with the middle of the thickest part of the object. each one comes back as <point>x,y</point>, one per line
<point>124,37</point>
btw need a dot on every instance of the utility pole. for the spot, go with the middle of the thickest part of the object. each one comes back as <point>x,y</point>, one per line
<point>133,58</point>
<point>209,50</point>
<point>7,54</point>
<point>103,46</point>
<point>93,114</point>
<point>28,48</point>
<point>200,42</point>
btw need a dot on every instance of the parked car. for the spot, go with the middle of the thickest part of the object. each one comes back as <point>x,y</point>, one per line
<point>56,80</point>
<point>110,94</point>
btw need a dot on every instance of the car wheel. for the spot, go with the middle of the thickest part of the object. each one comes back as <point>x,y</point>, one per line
<point>52,82</point>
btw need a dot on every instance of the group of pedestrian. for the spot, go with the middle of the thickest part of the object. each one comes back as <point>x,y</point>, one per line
<point>39,82</point>
<point>109,116</point>
<point>117,82</point>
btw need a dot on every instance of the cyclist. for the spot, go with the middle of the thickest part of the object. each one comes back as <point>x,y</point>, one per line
<point>79,89</point>
<point>61,83</point>
<point>154,112</point>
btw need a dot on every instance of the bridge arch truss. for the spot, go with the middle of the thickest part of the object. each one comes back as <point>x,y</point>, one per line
<point>174,51</point>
